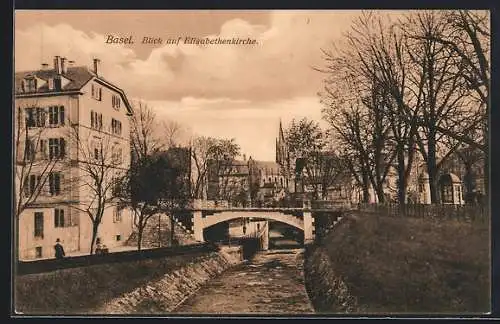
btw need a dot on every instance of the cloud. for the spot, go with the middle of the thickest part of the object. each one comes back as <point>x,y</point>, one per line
<point>278,67</point>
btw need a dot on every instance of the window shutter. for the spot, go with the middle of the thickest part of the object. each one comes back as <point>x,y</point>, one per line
<point>62,144</point>
<point>59,184</point>
<point>91,119</point>
<point>100,93</point>
<point>43,148</point>
<point>51,183</point>
<point>61,115</point>
<point>26,187</point>
<point>51,115</point>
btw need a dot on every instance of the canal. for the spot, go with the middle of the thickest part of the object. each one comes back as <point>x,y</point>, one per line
<point>272,282</point>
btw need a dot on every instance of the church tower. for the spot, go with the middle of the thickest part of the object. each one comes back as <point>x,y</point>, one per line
<point>281,148</point>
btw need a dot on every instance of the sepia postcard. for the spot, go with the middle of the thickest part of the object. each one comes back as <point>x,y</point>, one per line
<point>251,163</point>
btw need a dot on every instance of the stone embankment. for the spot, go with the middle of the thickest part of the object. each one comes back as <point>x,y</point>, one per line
<point>122,287</point>
<point>166,293</point>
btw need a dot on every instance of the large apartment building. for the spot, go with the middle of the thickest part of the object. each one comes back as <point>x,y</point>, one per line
<point>71,136</point>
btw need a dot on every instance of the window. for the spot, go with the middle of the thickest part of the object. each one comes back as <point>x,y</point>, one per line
<point>56,115</point>
<point>57,147</point>
<point>96,92</point>
<point>43,148</point>
<point>35,117</point>
<point>39,224</point>
<point>118,237</point>
<point>117,155</point>
<point>55,183</point>
<point>97,150</point>
<point>31,184</point>
<point>58,217</point>
<point>38,252</point>
<point>117,215</point>
<point>115,102</point>
<point>51,84</point>
<point>447,193</point>
<point>31,84</point>
<point>95,120</point>
<point>116,127</point>
<point>29,150</point>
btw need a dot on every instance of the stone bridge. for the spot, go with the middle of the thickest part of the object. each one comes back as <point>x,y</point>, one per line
<point>300,218</point>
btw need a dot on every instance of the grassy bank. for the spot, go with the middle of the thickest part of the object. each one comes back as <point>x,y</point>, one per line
<point>78,290</point>
<point>410,265</point>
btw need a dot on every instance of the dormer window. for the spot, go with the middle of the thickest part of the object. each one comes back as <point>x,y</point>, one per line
<point>51,84</point>
<point>30,84</point>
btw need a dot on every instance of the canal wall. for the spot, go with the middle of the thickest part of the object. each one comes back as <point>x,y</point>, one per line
<point>144,286</point>
<point>326,288</point>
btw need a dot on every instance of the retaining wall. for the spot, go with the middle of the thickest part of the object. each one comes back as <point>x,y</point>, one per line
<point>145,286</point>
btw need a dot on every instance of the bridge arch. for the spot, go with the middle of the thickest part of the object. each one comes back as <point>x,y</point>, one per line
<point>225,216</point>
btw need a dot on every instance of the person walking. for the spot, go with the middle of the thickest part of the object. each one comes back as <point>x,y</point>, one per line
<point>59,250</point>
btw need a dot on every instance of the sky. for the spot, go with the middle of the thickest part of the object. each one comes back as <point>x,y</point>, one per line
<point>228,91</point>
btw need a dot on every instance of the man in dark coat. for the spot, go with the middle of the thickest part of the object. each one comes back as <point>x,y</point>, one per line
<point>59,250</point>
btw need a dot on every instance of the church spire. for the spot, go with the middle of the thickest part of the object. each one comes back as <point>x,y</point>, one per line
<point>281,136</point>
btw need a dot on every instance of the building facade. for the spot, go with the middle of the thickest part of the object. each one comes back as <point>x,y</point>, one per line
<point>71,137</point>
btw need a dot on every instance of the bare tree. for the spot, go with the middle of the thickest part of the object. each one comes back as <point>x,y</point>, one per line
<point>305,141</point>
<point>212,158</point>
<point>379,49</point>
<point>446,103</point>
<point>34,163</point>
<point>354,106</point>
<point>101,169</point>
<point>144,136</point>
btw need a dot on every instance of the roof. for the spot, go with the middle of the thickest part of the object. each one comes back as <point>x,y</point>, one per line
<point>78,77</point>
<point>266,164</point>
<point>450,177</point>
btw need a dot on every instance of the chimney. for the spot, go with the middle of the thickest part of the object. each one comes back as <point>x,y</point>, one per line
<point>63,65</point>
<point>57,64</point>
<point>97,64</point>
<point>45,66</point>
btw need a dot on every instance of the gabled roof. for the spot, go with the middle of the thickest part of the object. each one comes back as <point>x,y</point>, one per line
<point>78,77</point>
<point>266,164</point>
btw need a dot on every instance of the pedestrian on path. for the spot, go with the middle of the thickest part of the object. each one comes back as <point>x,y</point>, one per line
<point>59,250</point>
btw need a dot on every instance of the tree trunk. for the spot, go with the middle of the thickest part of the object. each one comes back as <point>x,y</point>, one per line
<point>140,230</point>
<point>366,190</point>
<point>432,168</point>
<point>172,230</point>
<point>401,178</point>
<point>380,194</point>
<point>95,227</point>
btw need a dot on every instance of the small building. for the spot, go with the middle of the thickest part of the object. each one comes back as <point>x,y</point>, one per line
<point>450,189</point>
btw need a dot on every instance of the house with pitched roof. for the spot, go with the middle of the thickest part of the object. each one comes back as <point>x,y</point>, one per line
<point>67,119</point>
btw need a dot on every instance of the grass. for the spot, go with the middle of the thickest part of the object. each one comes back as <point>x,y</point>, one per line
<point>78,290</point>
<point>410,265</point>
